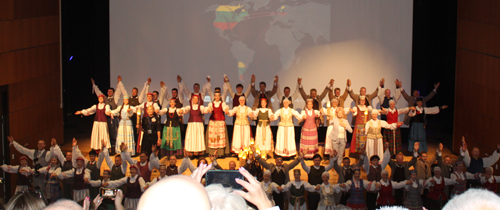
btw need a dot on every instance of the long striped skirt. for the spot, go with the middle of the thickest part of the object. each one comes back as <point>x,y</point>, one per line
<point>171,141</point>
<point>309,140</point>
<point>394,139</point>
<point>125,135</point>
<point>216,138</point>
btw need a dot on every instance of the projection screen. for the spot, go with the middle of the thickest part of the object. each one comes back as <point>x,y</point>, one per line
<point>316,40</point>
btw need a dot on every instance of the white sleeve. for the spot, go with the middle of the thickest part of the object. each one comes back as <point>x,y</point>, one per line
<point>397,95</point>
<point>56,151</point>
<point>448,181</point>
<point>109,161</point>
<point>305,167</point>
<point>296,93</point>
<point>492,159</point>
<point>96,90</point>
<point>466,158</point>
<point>10,169</point>
<point>404,110</point>
<point>117,183</point>
<point>126,156</point>
<point>143,92</point>
<point>347,187</point>
<point>86,174</point>
<point>118,92</point>
<point>278,93</point>
<point>296,114</point>
<point>431,110</point>
<point>309,187</point>
<point>366,164</point>
<point>247,92</point>
<point>398,185</point>
<point>330,165</point>
<point>77,153</point>
<point>183,89</point>
<point>142,183</point>
<point>387,158</point>
<point>206,90</point>
<point>163,111</point>
<point>381,95</point>
<point>66,174</point>
<point>95,183</point>
<point>233,111</point>
<point>25,151</point>
<point>154,162</point>
<point>355,111</point>
<point>286,187</point>
<point>386,125</point>
<point>89,111</point>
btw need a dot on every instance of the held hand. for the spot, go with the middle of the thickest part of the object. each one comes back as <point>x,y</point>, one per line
<point>409,182</point>
<point>208,79</point>
<point>351,110</point>
<point>331,82</point>
<point>276,78</point>
<point>444,106</point>
<point>86,180</point>
<point>342,185</point>
<point>416,146</point>
<point>255,194</point>
<point>53,142</point>
<point>74,142</point>
<point>123,147</point>
<point>136,126</point>
<point>253,78</point>
<point>103,144</point>
<point>119,78</point>
<point>436,85</point>
<point>92,80</point>
<point>105,184</point>
<point>349,83</point>
<point>162,84</point>
<point>149,81</point>
<point>400,123</point>
<point>299,81</point>
<point>413,108</point>
<point>386,146</point>
<point>279,188</point>
<point>383,109</point>
<point>397,83</point>
<point>226,79</point>
<point>129,110</point>
<point>78,113</point>
<point>440,147</point>
<point>53,175</point>
<point>382,82</point>
<point>317,187</point>
<point>179,79</point>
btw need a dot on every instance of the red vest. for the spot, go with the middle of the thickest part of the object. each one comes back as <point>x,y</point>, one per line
<point>145,172</point>
<point>491,186</point>
<point>79,183</point>
<point>392,117</point>
<point>385,195</point>
<point>438,191</point>
<point>100,114</point>
<point>218,114</point>
<point>133,189</point>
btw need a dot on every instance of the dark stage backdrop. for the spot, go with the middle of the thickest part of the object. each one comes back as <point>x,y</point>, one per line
<point>86,36</point>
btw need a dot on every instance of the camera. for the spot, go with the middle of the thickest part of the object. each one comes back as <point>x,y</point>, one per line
<point>36,166</point>
<point>108,192</point>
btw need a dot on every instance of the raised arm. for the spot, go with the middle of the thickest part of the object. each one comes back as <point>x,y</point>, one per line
<point>107,157</point>
<point>23,150</point>
<point>407,98</point>
<point>117,183</point>
<point>56,151</point>
<point>306,167</point>
<point>431,94</point>
<point>144,91</point>
<point>154,162</point>
<point>126,156</point>
<point>118,91</point>
<point>492,159</point>
<point>263,162</point>
<point>10,169</point>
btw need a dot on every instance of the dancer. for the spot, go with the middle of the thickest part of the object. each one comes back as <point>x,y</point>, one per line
<point>53,190</point>
<point>393,136</point>
<point>387,186</point>
<point>327,192</point>
<point>285,140</point>
<point>196,87</point>
<point>356,187</point>
<point>151,129</point>
<point>373,130</point>
<point>345,172</point>
<point>112,101</point>
<point>125,130</point>
<point>314,177</point>
<point>287,95</point>
<point>216,138</point>
<point>362,92</point>
<point>309,133</point>
<point>385,98</point>
<point>475,164</point>
<point>100,128</point>
<point>263,134</point>
<point>136,99</point>
<point>412,198</point>
<point>241,133</point>
<point>489,181</point>
<point>335,94</point>
<point>22,171</point>
<point>269,186</point>
<point>263,93</point>
<point>337,137</point>
<point>297,189</point>
<point>92,165</point>
<point>436,198</point>
<point>417,127</point>
<point>171,139</point>
<point>360,114</point>
<point>461,178</point>
<point>135,187</point>
<point>144,166</point>
<point>195,141</point>
<point>316,99</point>
<point>82,177</point>
<point>412,100</point>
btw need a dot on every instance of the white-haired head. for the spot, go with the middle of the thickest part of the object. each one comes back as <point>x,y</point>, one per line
<point>392,102</point>
<point>437,168</point>
<point>64,204</point>
<point>186,188</point>
<point>268,172</point>
<point>385,172</point>
<point>325,173</point>
<point>223,199</point>
<point>393,208</point>
<point>474,199</point>
<point>374,111</point>
<point>241,97</point>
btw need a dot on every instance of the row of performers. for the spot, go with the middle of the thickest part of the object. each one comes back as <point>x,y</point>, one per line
<point>182,94</point>
<point>418,186</point>
<point>367,130</point>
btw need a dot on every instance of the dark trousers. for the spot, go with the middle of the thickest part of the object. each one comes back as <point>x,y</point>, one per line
<point>134,123</point>
<point>68,191</point>
<point>398,195</point>
<point>113,129</point>
<point>278,199</point>
<point>371,200</point>
<point>93,191</point>
<point>313,199</point>
<point>424,197</point>
<point>435,204</point>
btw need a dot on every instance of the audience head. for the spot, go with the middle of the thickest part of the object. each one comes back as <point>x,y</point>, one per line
<point>474,199</point>
<point>64,204</point>
<point>201,160</point>
<point>187,188</point>
<point>223,199</point>
<point>25,201</point>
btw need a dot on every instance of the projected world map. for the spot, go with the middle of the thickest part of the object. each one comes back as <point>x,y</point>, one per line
<point>289,23</point>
